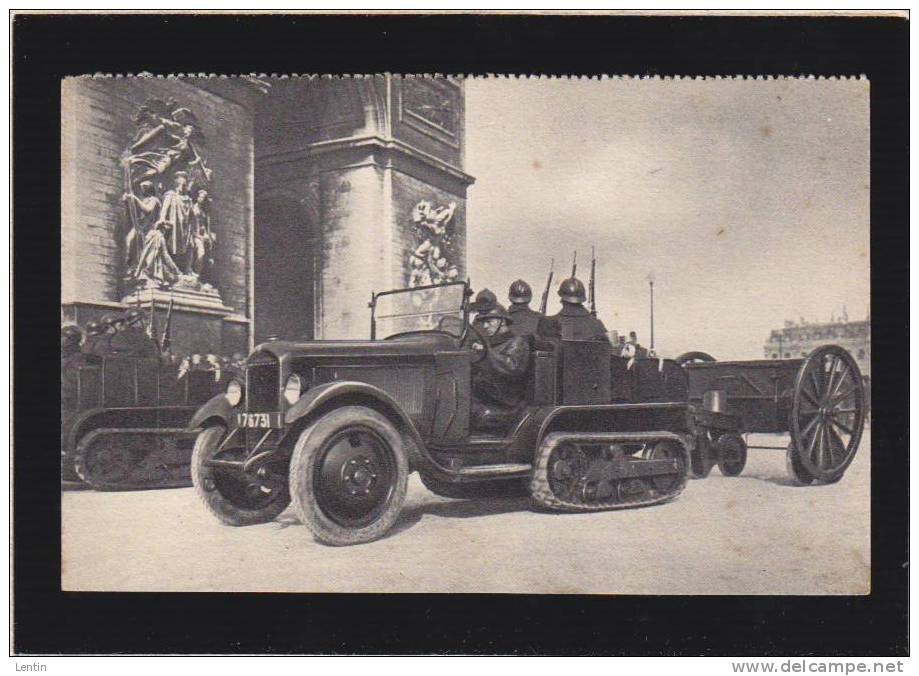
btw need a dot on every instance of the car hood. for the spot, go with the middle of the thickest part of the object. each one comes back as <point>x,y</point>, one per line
<point>410,344</point>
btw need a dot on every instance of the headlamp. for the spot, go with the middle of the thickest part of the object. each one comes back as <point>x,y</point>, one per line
<point>292,389</point>
<point>234,393</point>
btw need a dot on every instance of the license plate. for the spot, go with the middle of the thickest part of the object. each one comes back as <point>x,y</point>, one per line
<point>258,420</point>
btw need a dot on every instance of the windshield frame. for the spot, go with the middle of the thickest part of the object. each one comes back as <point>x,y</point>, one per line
<point>465,306</point>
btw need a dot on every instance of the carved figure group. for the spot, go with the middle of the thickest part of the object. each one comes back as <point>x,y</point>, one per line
<point>429,262</point>
<point>170,238</point>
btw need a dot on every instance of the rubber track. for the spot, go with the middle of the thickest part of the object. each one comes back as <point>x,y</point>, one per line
<point>542,496</point>
<point>87,440</point>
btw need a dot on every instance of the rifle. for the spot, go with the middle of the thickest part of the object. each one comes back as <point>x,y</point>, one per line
<point>166,340</point>
<point>590,284</point>
<point>545,294</point>
<point>151,325</point>
<point>574,264</point>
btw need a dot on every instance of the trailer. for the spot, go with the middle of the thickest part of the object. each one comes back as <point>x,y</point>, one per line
<point>820,401</point>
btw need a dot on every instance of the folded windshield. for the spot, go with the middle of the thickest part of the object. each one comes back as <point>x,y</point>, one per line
<point>430,308</point>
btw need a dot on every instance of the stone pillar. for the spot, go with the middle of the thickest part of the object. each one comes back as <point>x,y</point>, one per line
<point>377,162</point>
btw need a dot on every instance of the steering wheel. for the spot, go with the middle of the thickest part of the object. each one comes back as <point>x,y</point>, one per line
<point>483,353</point>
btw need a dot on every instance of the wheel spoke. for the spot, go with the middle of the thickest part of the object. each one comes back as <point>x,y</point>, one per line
<point>839,398</point>
<point>844,375</point>
<point>805,431</point>
<point>828,385</point>
<point>821,453</point>
<point>810,398</point>
<point>845,428</point>
<point>811,443</point>
<point>835,439</point>
<point>815,383</point>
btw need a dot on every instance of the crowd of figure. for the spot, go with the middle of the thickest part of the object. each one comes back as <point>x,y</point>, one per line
<point>128,335</point>
<point>511,334</point>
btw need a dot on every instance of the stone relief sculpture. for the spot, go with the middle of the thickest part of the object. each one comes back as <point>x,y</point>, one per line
<point>430,262</point>
<point>170,239</point>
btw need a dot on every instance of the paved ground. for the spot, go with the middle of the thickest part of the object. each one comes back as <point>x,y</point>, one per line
<point>755,534</point>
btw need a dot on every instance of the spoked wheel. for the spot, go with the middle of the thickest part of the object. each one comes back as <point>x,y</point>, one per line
<point>694,358</point>
<point>348,476</point>
<point>828,413</point>
<point>732,454</point>
<point>235,497</point>
<point>566,469</point>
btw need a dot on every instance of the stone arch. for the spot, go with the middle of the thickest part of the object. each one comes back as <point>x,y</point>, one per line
<point>285,264</point>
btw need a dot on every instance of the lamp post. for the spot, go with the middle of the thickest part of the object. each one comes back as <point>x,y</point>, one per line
<point>651,284</point>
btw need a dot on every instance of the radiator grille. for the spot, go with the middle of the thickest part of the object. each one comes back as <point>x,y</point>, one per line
<point>263,384</point>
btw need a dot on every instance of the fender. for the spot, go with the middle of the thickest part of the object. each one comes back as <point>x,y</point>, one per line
<point>317,397</point>
<point>216,407</point>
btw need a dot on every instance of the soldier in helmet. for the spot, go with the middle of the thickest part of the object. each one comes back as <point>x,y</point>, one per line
<point>71,337</point>
<point>132,340</point>
<point>485,301</point>
<point>525,321</point>
<point>71,360</point>
<point>576,321</point>
<point>498,378</point>
<point>97,339</point>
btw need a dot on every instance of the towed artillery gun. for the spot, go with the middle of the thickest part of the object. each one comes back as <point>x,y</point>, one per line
<point>819,400</point>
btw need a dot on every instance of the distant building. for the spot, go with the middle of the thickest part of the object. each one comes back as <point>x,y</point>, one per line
<point>797,339</point>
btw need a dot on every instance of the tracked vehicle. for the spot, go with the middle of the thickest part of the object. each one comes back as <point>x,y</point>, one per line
<point>124,421</point>
<point>337,426</point>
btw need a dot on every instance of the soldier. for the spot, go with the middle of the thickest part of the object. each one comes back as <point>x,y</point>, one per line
<point>498,384</point>
<point>71,337</point>
<point>97,340</point>
<point>485,301</point>
<point>525,320</point>
<point>575,320</point>
<point>132,340</point>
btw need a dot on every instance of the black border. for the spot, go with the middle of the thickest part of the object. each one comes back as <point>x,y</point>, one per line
<point>47,47</point>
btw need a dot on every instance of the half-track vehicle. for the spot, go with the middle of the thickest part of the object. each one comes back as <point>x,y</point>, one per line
<point>337,426</point>
<point>124,420</point>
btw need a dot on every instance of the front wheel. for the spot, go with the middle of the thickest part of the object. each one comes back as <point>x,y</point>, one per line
<point>234,497</point>
<point>349,476</point>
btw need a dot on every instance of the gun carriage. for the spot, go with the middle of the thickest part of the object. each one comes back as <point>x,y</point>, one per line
<point>819,401</point>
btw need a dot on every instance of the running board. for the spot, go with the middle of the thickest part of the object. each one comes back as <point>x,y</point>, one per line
<point>503,470</point>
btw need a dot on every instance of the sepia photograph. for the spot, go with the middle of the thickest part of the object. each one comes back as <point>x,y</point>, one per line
<point>403,333</point>
<point>568,333</point>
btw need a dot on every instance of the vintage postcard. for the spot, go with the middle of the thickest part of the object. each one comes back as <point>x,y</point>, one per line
<point>405,333</point>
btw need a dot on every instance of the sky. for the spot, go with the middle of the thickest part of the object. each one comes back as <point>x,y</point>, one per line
<point>746,201</point>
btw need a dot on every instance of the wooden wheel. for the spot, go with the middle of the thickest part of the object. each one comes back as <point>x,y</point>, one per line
<point>694,358</point>
<point>828,412</point>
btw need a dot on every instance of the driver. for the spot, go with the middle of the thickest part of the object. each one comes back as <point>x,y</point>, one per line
<point>498,384</point>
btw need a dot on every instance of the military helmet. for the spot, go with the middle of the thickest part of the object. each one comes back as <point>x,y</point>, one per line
<point>95,328</point>
<point>485,301</point>
<point>70,334</point>
<point>111,320</point>
<point>497,312</point>
<point>572,290</point>
<point>132,316</point>
<point>520,292</point>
